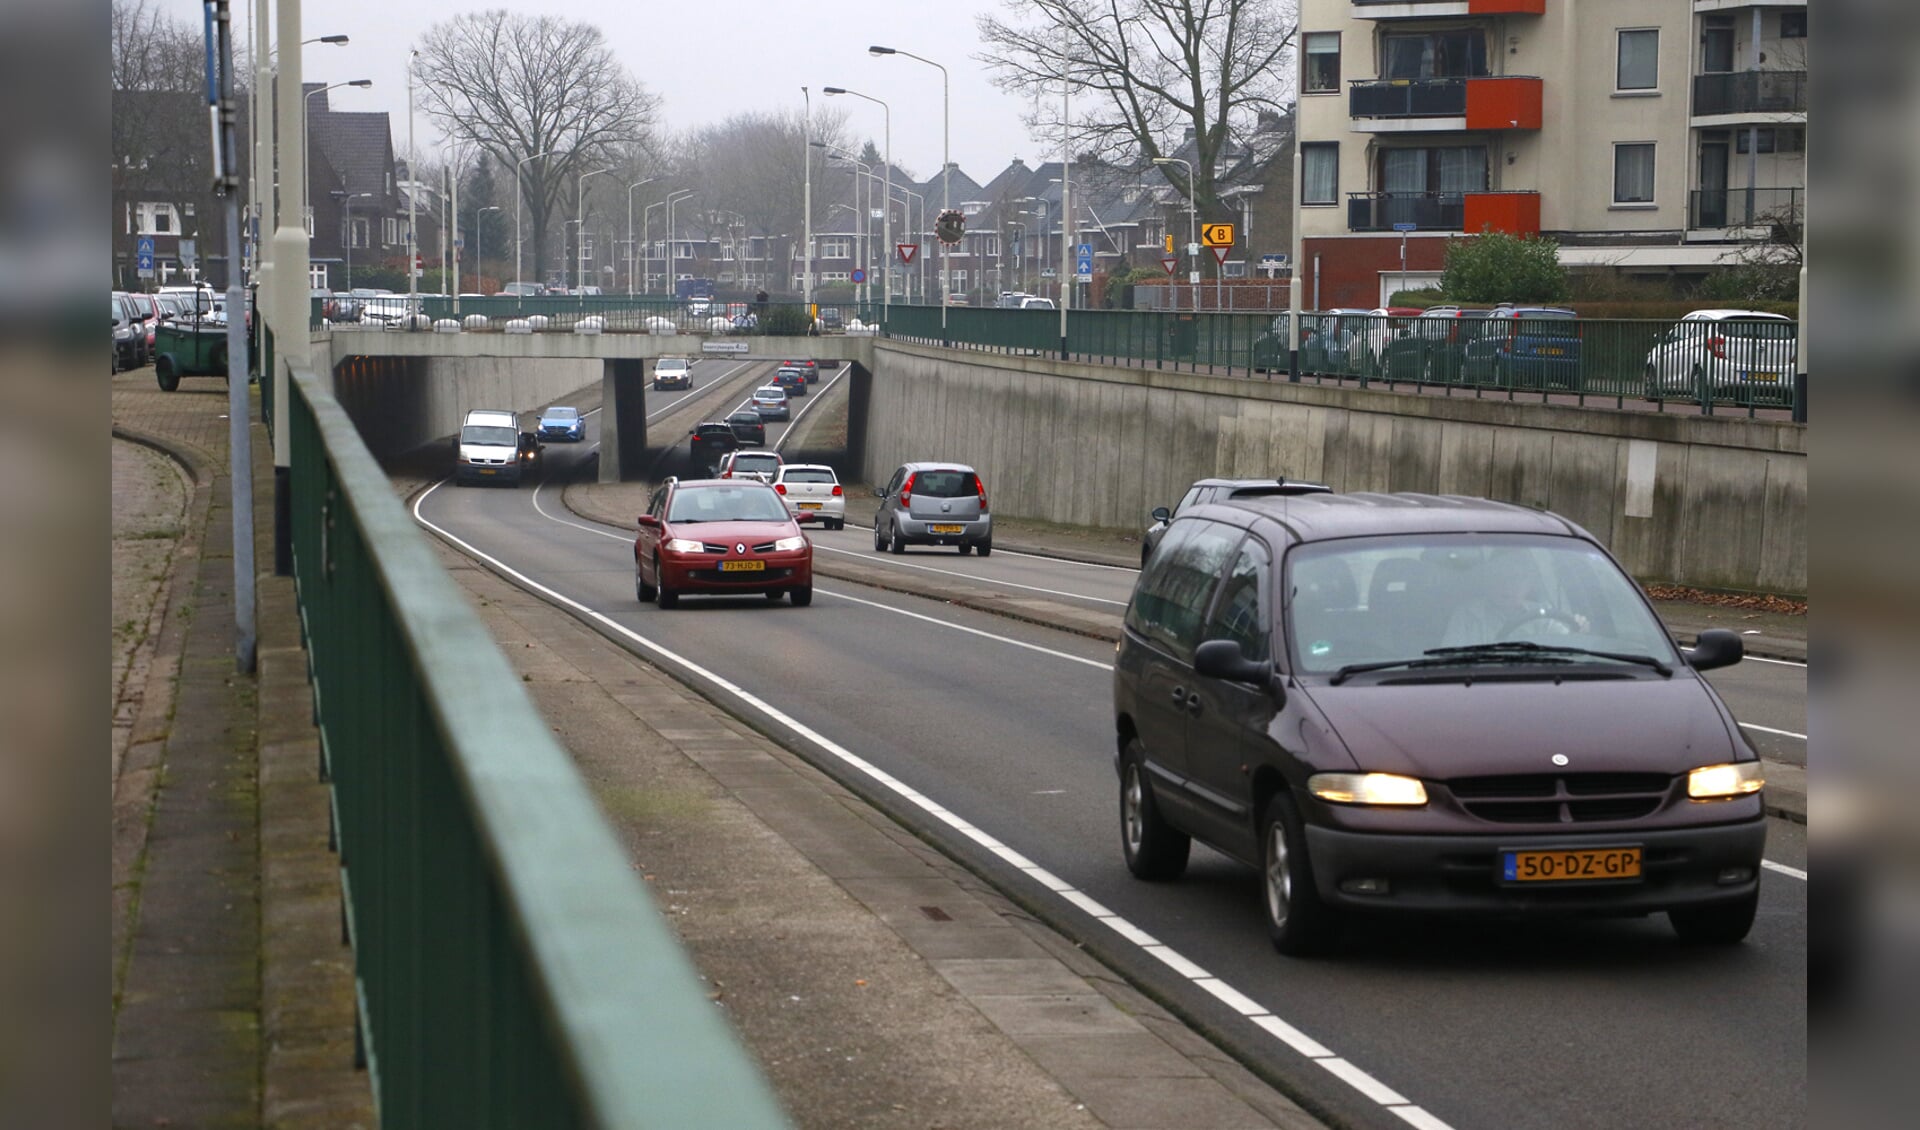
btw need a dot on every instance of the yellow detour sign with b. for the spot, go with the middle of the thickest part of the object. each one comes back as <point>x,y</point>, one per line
<point>1216,235</point>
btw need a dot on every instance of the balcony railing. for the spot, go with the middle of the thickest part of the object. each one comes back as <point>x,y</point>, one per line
<point>1407,98</point>
<point>1427,211</point>
<point>1743,207</point>
<point>1750,92</point>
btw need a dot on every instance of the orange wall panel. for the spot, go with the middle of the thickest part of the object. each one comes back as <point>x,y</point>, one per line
<point>1507,7</point>
<point>1516,213</point>
<point>1503,103</point>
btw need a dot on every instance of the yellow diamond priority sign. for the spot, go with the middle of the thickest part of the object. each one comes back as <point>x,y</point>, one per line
<point>1216,235</point>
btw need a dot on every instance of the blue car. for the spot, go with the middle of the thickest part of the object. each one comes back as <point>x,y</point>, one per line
<point>562,425</point>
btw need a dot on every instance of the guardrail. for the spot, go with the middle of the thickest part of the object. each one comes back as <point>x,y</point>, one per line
<point>511,969</point>
<point>590,314</point>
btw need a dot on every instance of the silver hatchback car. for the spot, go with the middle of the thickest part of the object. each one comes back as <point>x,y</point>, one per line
<point>933,504</point>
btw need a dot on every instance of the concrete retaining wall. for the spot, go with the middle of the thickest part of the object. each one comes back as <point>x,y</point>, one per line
<point>1718,502</point>
<point>400,403</point>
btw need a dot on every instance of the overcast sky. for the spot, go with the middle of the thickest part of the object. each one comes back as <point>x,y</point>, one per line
<point>708,61</point>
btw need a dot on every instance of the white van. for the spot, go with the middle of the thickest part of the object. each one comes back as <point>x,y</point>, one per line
<point>488,448</point>
<point>672,372</point>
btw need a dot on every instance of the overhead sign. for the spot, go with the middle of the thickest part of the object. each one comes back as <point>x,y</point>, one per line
<point>907,251</point>
<point>859,275</point>
<point>723,347</point>
<point>1171,263</point>
<point>1216,235</point>
<point>1220,255</point>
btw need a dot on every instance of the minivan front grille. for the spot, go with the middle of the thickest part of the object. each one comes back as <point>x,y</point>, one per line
<point>1561,798</point>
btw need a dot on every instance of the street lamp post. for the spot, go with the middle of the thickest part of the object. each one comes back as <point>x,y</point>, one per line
<point>946,170</point>
<point>806,206</point>
<point>479,233</point>
<point>646,236</point>
<point>906,217</point>
<point>672,203</point>
<point>886,221</point>
<point>258,207</point>
<point>1193,237</point>
<point>350,197</point>
<point>519,196</point>
<point>580,227</point>
<point>413,193</point>
<point>630,188</point>
<point>865,170</point>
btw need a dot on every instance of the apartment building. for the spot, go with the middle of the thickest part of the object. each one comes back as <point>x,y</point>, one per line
<point>1647,136</point>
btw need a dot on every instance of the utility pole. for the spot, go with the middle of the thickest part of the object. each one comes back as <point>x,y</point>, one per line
<point>226,182</point>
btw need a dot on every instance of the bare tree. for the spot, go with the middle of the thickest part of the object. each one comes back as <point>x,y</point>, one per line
<point>1144,73</point>
<point>516,86</point>
<point>152,50</point>
<point>755,164</point>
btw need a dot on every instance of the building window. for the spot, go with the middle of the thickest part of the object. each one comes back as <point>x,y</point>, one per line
<point>1633,173</point>
<point>835,276</point>
<point>1321,72</point>
<point>1320,172</point>
<point>389,231</point>
<point>1447,169</point>
<point>1638,64</point>
<point>317,276</point>
<point>1436,54</point>
<point>1769,140</point>
<point>959,280</point>
<point>309,221</point>
<point>1793,25</point>
<point>158,219</point>
<point>361,232</point>
<point>836,248</point>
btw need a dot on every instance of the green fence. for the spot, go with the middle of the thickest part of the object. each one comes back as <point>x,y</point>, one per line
<point>511,968</point>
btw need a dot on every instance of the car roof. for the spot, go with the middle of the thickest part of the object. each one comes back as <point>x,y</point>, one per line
<point>1324,517</point>
<point>769,388</point>
<point>1717,315</point>
<point>563,408</point>
<point>809,467</point>
<point>757,451</point>
<point>916,467</point>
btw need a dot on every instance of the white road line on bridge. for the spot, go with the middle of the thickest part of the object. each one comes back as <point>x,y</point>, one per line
<point>821,391</point>
<point>874,558</point>
<point>966,629</point>
<point>1775,662</point>
<point>1783,869</point>
<point>1047,557</point>
<point>1266,1021</point>
<point>1771,730</point>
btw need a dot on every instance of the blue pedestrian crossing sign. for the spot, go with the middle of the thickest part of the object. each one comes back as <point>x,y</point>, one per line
<point>143,258</point>
<point>1083,262</point>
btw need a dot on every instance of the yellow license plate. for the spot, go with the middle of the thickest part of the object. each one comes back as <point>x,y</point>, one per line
<point>486,470</point>
<point>1769,377</point>
<point>1576,865</point>
<point>809,506</point>
<point>946,529</point>
<point>1550,351</point>
<point>743,566</point>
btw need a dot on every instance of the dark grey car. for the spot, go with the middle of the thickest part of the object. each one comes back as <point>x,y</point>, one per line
<point>933,504</point>
<point>1214,490</point>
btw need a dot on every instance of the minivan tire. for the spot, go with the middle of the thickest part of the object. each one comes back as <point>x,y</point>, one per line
<point>1154,849</point>
<point>1716,924</point>
<point>1298,923</point>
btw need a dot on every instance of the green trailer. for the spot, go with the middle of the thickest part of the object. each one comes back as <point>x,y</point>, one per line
<point>190,347</point>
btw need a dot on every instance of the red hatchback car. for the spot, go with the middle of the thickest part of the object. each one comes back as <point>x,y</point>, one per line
<point>720,536</point>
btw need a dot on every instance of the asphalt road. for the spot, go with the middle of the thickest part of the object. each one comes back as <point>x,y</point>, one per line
<point>995,738</point>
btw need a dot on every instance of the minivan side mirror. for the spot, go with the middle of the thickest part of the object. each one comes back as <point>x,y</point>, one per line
<point>1161,514</point>
<point>1222,659</point>
<point>1716,647</point>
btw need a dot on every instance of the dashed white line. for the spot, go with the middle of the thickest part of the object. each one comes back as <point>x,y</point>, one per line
<point>1771,730</point>
<point>873,558</point>
<point>963,628</point>
<point>1793,872</point>
<point>788,434</point>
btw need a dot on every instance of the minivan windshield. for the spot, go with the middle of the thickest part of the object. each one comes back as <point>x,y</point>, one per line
<point>1384,600</point>
<point>727,504</point>
<point>479,434</point>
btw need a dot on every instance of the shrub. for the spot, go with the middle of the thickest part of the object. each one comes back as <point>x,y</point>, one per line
<point>1422,298</point>
<point>1497,267</point>
<point>786,320</point>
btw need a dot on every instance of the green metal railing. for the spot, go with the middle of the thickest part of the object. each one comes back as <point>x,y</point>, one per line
<point>512,970</point>
<point>612,313</point>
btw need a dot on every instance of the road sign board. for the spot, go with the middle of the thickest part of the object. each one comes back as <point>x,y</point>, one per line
<point>143,265</point>
<point>1171,263</point>
<point>1406,227</point>
<point>907,251</point>
<point>189,253</point>
<point>144,247</point>
<point>723,347</point>
<point>1083,265</point>
<point>1220,255</point>
<point>1216,235</point>
<point>1083,278</point>
<point>1048,272</point>
<point>1169,243</point>
<point>859,275</point>
<point>1084,251</point>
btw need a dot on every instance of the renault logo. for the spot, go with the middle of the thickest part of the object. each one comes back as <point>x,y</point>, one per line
<point>1559,759</point>
<point>741,547</point>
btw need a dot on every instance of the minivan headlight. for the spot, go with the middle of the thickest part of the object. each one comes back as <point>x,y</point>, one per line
<point>1368,788</point>
<point>788,545</point>
<point>1717,782</point>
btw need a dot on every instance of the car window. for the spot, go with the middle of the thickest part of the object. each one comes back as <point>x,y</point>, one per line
<point>726,504</point>
<point>1189,501</point>
<point>945,484</point>
<point>1241,610</point>
<point>893,484</point>
<point>1763,329</point>
<point>562,413</point>
<point>756,462</point>
<point>476,433</point>
<point>1170,600</point>
<point>808,475</point>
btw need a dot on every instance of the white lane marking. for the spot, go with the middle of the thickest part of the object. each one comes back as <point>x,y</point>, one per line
<point>1287,1035</point>
<point>1775,662</point>
<point>1771,730</point>
<point>575,525</point>
<point>1051,557</point>
<point>874,557</point>
<point>679,402</point>
<point>788,434</point>
<point>964,628</point>
<point>1791,872</point>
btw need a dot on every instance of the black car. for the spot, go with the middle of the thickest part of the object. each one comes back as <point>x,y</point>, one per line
<point>811,368</point>
<point>1214,490</point>
<point>832,319</point>
<point>748,428</point>
<point>530,452</point>
<point>793,380</point>
<point>1409,704</point>
<point>711,442</point>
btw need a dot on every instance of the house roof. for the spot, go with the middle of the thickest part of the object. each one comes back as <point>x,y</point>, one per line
<point>358,145</point>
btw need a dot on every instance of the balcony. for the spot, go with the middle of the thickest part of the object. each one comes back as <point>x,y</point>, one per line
<point>1744,207</point>
<point>1515,212</point>
<point>1480,103</point>
<point>1431,9</point>
<point>1750,92</point>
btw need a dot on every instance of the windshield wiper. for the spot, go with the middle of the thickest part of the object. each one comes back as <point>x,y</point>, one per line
<point>1528,648</point>
<point>1466,658</point>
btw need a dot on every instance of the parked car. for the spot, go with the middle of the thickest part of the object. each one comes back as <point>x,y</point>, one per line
<point>793,380</point>
<point>759,465</point>
<point>1404,704</point>
<point>748,427</point>
<point>563,424</point>
<point>672,372</point>
<point>710,443</point>
<point>813,494</point>
<point>1328,337</point>
<point>521,290</point>
<point>831,319</point>
<point>487,448</point>
<point>720,537</point>
<point>1207,491</point>
<point>1714,352</point>
<point>933,504</point>
<point>699,307</point>
<point>1530,347</point>
<point>1435,344</point>
<point>129,334</point>
<point>770,401</point>
<point>811,368</point>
